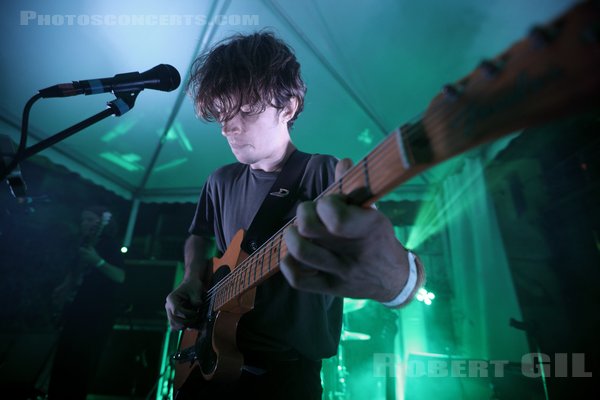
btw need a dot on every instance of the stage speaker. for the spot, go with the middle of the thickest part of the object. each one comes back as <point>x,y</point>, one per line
<point>130,365</point>
<point>147,284</point>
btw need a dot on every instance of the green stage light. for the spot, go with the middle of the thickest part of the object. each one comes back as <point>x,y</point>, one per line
<point>424,296</point>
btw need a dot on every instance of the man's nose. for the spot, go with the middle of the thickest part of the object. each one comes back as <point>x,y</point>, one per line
<point>230,128</point>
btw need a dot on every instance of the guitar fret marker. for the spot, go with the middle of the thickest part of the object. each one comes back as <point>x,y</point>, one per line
<point>279,250</point>
<point>401,148</point>
<point>366,173</point>
<point>270,256</point>
<point>262,260</point>
<point>251,267</point>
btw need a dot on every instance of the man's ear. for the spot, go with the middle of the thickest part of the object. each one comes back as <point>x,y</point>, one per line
<point>289,110</point>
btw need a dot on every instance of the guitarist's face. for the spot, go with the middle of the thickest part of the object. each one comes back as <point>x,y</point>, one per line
<point>256,137</point>
<point>90,223</point>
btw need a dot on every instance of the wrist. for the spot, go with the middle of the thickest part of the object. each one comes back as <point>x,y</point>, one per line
<point>409,287</point>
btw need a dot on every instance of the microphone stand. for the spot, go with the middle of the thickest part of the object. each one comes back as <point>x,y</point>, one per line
<point>124,102</point>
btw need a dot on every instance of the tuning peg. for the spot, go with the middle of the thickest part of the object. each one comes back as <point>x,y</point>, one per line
<point>543,35</point>
<point>452,91</point>
<point>490,68</point>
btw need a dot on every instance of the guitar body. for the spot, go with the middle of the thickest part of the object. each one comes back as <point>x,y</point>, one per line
<point>212,347</point>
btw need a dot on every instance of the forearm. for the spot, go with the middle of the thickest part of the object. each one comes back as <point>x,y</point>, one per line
<point>196,258</point>
<point>113,272</point>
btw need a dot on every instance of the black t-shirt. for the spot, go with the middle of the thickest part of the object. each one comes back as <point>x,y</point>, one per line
<point>283,318</point>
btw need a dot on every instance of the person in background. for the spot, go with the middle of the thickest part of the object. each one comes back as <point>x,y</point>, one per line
<point>86,303</point>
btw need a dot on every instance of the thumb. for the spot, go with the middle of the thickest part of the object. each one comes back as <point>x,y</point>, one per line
<point>342,166</point>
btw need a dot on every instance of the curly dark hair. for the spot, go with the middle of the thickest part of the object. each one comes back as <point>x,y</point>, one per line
<point>256,70</point>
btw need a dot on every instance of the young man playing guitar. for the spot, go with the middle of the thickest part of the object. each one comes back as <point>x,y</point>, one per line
<point>252,86</point>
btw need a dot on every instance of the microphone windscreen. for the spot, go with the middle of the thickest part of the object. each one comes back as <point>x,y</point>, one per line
<point>162,77</point>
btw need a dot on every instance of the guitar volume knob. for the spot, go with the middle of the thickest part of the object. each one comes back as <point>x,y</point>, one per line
<point>253,245</point>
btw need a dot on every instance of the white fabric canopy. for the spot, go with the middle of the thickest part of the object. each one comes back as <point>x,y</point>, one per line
<point>369,67</point>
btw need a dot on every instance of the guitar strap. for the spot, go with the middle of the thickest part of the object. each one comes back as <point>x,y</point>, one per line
<point>277,203</point>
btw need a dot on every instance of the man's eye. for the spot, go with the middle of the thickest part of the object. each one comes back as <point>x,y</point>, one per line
<point>246,109</point>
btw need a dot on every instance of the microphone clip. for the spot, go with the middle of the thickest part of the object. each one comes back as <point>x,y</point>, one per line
<point>124,102</point>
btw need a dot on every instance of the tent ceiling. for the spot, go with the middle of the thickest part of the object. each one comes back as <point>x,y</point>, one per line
<point>369,67</point>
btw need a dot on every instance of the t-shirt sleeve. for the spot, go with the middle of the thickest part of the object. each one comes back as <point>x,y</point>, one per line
<point>326,172</point>
<point>203,222</point>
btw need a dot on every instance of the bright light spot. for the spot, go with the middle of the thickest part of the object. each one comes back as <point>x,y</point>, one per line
<point>125,161</point>
<point>170,164</point>
<point>131,157</point>
<point>171,134</point>
<point>365,137</point>
<point>176,132</point>
<point>424,296</point>
<point>121,129</point>
<point>124,249</point>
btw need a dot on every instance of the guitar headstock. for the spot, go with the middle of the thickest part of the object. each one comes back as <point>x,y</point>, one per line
<point>104,221</point>
<point>553,72</point>
<point>106,217</point>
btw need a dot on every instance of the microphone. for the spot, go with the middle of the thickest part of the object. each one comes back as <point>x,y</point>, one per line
<point>162,77</point>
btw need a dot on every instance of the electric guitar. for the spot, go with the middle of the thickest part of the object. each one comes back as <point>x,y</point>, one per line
<point>553,72</point>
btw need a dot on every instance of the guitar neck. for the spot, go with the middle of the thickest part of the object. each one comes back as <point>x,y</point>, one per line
<point>551,73</point>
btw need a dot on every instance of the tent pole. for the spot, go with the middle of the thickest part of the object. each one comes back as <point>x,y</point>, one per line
<point>135,206</point>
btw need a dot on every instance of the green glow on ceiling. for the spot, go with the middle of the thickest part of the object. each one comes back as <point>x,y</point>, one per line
<point>365,137</point>
<point>125,161</point>
<point>176,133</point>
<point>121,129</point>
<point>171,135</point>
<point>171,164</point>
